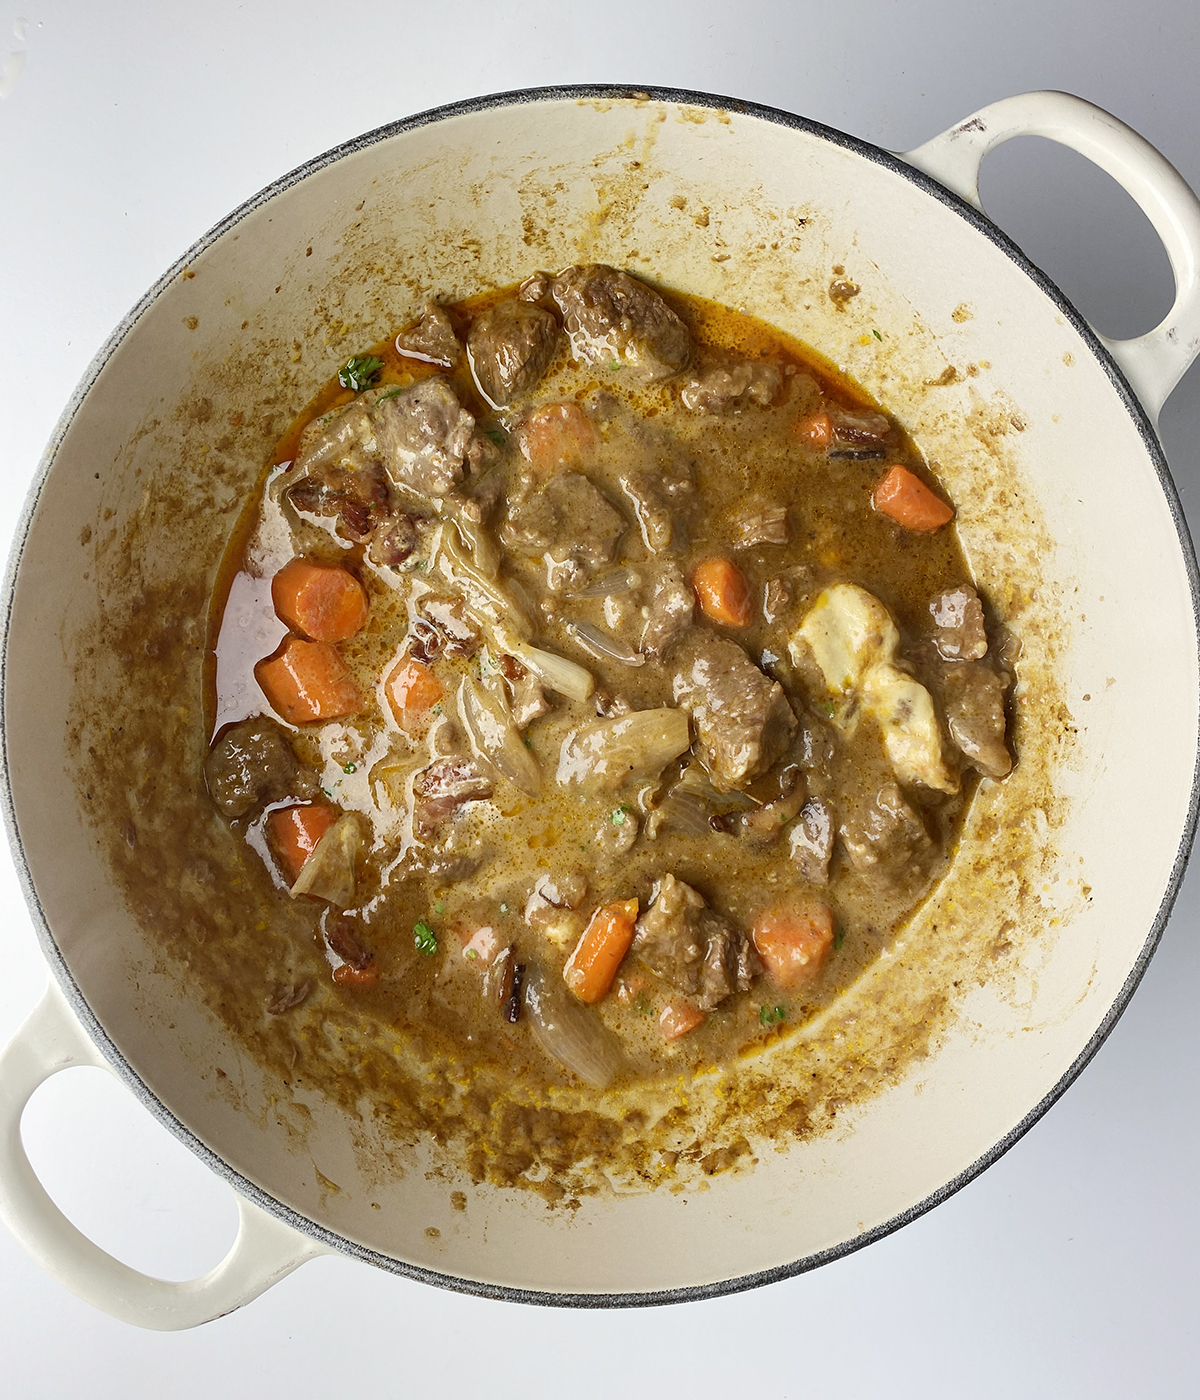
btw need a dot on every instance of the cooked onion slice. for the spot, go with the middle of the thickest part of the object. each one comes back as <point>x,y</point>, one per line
<point>570,1033</point>
<point>486,599</point>
<point>555,672</point>
<point>604,754</point>
<point>611,585</point>
<point>329,872</point>
<point>604,645</point>
<point>494,739</point>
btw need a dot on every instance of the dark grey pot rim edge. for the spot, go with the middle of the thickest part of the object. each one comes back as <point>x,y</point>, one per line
<point>339,1243</point>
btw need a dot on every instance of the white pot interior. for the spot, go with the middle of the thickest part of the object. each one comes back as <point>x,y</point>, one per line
<point>1064,868</point>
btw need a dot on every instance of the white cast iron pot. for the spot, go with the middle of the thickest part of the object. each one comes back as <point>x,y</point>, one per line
<point>1044,433</point>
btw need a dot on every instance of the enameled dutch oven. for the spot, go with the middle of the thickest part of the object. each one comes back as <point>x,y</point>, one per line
<point>1044,433</point>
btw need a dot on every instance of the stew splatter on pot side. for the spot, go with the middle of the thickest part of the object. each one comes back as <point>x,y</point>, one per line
<point>597,678</point>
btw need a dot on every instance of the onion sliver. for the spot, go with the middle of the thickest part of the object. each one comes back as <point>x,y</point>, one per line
<point>569,1033</point>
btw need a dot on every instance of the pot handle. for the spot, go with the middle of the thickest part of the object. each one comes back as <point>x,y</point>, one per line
<point>264,1251</point>
<point>1155,362</point>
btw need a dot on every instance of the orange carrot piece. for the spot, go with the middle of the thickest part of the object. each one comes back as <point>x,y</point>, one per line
<point>906,499</point>
<point>323,601</point>
<point>412,689</point>
<point>722,592</point>
<point>556,435</point>
<point>603,944</point>
<point>679,1017</point>
<point>307,681</point>
<point>362,977</point>
<point>294,832</point>
<point>794,940</point>
<point>816,430</point>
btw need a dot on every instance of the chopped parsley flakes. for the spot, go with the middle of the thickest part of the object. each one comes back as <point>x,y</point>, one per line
<point>359,372</point>
<point>425,939</point>
<point>771,1015</point>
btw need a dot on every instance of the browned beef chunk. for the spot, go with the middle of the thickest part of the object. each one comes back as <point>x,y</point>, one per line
<point>693,947</point>
<point>511,347</point>
<point>536,287</point>
<point>811,841</point>
<point>974,698</point>
<point>393,540</point>
<point>423,433</point>
<point>743,721</point>
<point>731,388</point>
<point>959,633</point>
<point>253,763</point>
<point>431,339</point>
<point>883,833</point>
<point>861,433</point>
<point>672,606</point>
<point>569,523</point>
<point>458,635</point>
<point>613,319</point>
<point>345,940</point>
<point>443,787</point>
<point>760,522</point>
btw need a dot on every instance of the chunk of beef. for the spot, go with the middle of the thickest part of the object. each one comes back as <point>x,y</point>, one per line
<point>570,523</point>
<point>743,720</point>
<point>760,522</point>
<point>510,348</point>
<point>777,598</point>
<point>731,388</point>
<point>535,287</point>
<point>651,508</point>
<point>422,434</point>
<point>553,893</point>
<point>959,633</point>
<point>862,428</point>
<point>344,940</point>
<point>252,763</point>
<point>393,540</point>
<point>811,841</point>
<point>672,606</point>
<point>432,339</point>
<point>613,319</point>
<point>448,616</point>
<point>884,833</point>
<point>443,787</point>
<point>973,695</point>
<point>692,947</point>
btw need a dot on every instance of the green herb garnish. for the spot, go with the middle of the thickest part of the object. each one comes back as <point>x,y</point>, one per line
<point>350,768</point>
<point>877,335</point>
<point>425,939</point>
<point>327,793</point>
<point>839,936</point>
<point>614,364</point>
<point>498,437</point>
<point>504,908</point>
<point>771,1015</point>
<point>440,907</point>
<point>391,393</point>
<point>359,372</point>
<point>619,815</point>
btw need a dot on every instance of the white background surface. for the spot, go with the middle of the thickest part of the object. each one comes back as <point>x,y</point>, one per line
<point>1068,1269</point>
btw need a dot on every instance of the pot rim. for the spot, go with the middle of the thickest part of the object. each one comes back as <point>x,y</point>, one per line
<point>91,1023</point>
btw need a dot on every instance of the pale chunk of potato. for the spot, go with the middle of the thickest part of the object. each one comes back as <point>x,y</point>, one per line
<point>851,636</point>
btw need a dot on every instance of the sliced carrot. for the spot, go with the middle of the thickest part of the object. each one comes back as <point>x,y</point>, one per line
<point>294,832</point>
<point>362,977</point>
<point>722,591</point>
<point>555,435</point>
<point>679,1017</point>
<point>907,500</point>
<point>794,940</point>
<point>816,430</point>
<point>323,601</point>
<point>412,690</point>
<point>306,681</point>
<point>603,944</point>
